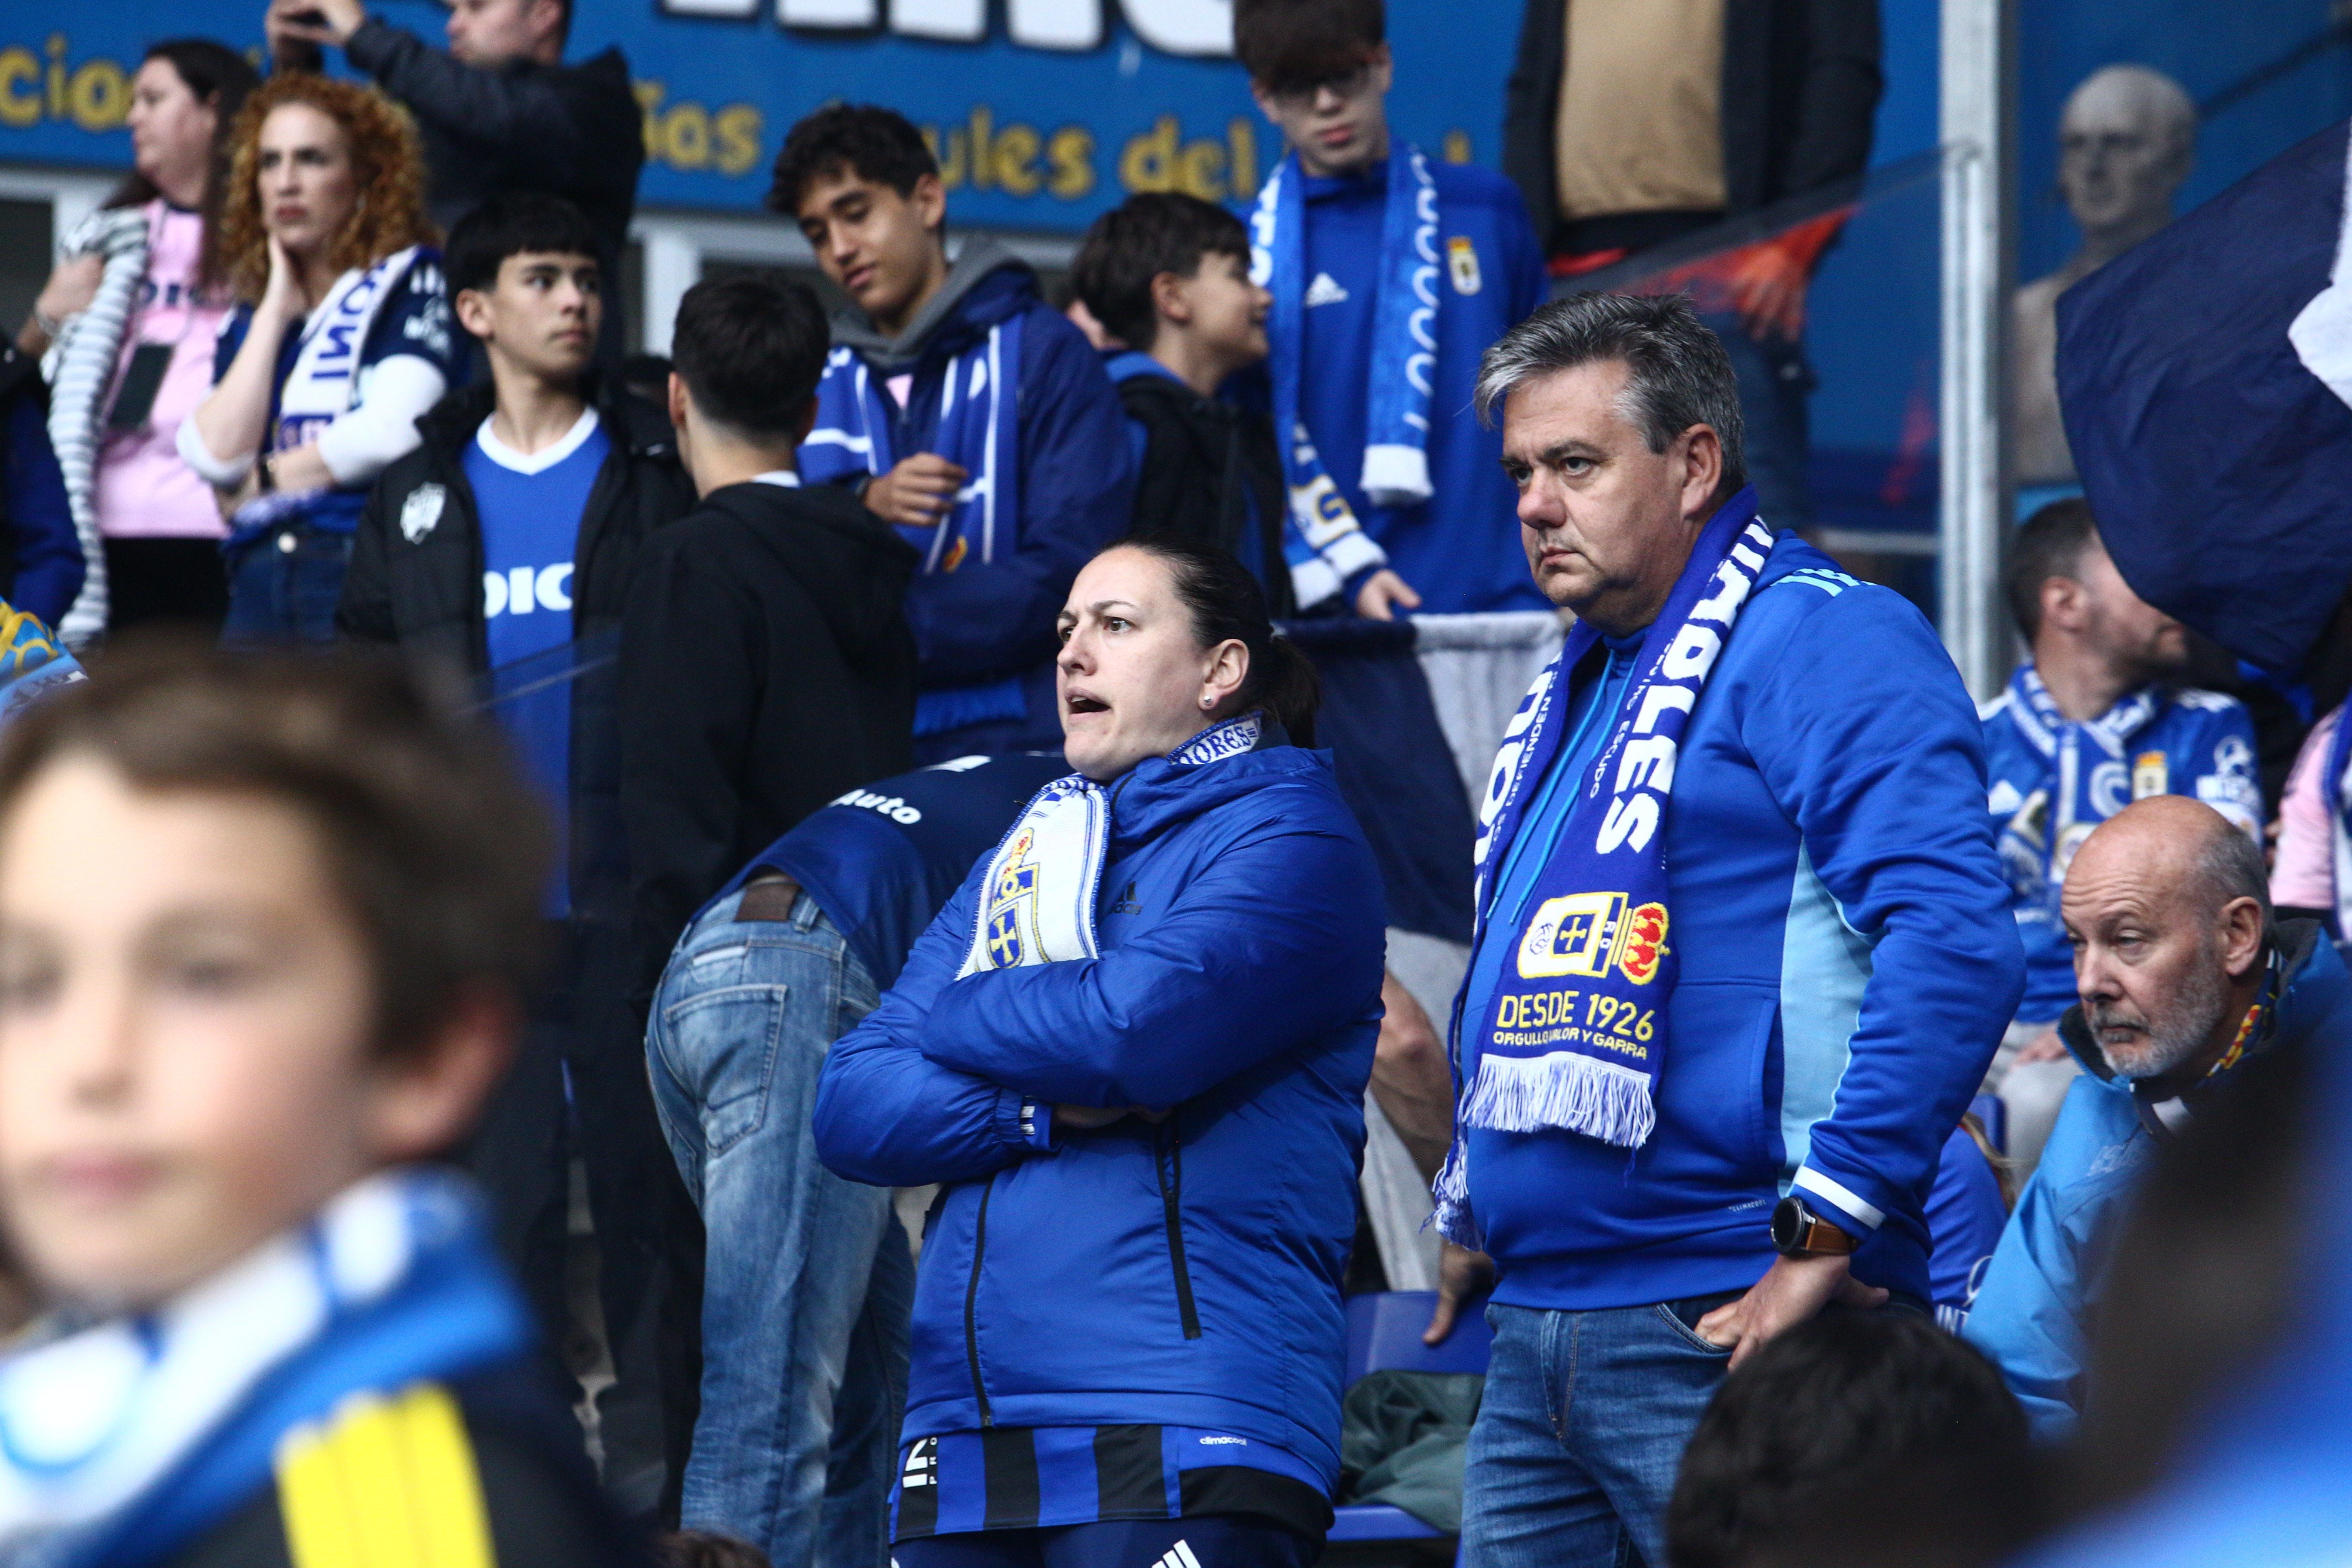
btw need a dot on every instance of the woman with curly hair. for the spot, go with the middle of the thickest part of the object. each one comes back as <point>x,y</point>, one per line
<point>342,338</point>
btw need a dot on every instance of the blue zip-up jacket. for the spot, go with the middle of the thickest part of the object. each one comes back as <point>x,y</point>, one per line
<point>1848,965</point>
<point>1185,1272</point>
<point>2032,1314</point>
<point>2052,781</point>
<point>983,615</point>
<point>1460,550</point>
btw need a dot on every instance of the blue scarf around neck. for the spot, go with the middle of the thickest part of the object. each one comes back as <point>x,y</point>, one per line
<point>1404,347</point>
<point>123,1441</point>
<point>1574,1037</point>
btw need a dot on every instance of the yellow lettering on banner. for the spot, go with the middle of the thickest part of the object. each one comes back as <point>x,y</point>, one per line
<point>1016,159</point>
<point>19,68</point>
<point>57,75</point>
<point>690,135</point>
<point>1457,147</point>
<point>1160,159</point>
<point>99,95</point>
<point>1149,163</point>
<point>1071,155</point>
<point>738,126</point>
<point>984,156</point>
<point>650,97</point>
<point>948,156</point>
<point>1241,140</point>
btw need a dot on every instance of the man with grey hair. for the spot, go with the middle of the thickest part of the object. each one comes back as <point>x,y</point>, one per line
<point>2184,975</point>
<point>2125,143</point>
<point>1743,947</point>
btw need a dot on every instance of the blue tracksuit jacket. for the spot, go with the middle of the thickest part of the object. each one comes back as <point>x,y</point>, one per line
<point>1848,964</point>
<point>2032,1314</point>
<point>2050,783</point>
<point>1460,550</point>
<point>1185,1272</point>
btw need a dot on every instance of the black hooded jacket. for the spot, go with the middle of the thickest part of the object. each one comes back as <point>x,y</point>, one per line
<point>766,668</point>
<point>423,595</point>
<point>573,132</point>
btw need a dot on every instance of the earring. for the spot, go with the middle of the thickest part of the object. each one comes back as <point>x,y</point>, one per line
<point>1208,702</point>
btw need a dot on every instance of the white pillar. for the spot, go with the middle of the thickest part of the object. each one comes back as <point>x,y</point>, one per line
<point>1978,118</point>
<point>673,265</point>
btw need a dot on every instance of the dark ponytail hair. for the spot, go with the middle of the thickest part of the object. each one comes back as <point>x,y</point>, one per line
<point>1226,602</point>
<point>221,79</point>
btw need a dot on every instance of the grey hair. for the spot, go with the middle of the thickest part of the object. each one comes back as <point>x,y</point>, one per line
<point>1678,374</point>
<point>2230,865</point>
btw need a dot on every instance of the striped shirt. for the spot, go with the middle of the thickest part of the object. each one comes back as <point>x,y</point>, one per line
<point>1031,1477</point>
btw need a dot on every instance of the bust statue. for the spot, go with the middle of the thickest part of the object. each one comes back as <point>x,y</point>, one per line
<point>2124,148</point>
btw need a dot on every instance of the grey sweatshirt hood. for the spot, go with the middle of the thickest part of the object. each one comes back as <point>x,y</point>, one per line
<point>853,329</point>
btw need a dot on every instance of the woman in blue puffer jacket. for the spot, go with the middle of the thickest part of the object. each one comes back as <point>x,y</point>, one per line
<point>1133,1049</point>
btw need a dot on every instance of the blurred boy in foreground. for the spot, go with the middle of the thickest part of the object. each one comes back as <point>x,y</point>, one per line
<point>264,923</point>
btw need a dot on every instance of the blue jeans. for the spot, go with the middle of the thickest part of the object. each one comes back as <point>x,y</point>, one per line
<point>807,1284</point>
<point>1580,1432</point>
<point>283,586</point>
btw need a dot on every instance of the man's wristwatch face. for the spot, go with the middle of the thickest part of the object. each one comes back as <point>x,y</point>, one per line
<point>1798,1232</point>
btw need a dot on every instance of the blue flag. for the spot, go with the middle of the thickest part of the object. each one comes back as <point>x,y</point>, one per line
<point>2204,375</point>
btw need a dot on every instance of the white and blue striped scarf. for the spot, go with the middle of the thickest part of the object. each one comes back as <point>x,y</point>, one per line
<point>1575,1034</point>
<point>1404,349</point>
<point>1037,903</point>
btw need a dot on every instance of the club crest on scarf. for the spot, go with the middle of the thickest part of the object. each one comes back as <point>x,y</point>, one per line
<point>1573,1037</point>
<point>1014,889</point>
<point>1037,902</point>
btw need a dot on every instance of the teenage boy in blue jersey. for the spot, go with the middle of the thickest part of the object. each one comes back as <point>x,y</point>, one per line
<point>807,1281</point>
<point>964,411</point>
<point>507,538</point>
<point>1397,499</point>
<point>1742,949</point>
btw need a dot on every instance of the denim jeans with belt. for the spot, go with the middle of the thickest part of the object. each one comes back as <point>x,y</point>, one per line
<point>1580,1431</point>
<point>808,1284</point>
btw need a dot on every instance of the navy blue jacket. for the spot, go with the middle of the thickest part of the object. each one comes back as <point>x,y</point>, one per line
<point>989,617</point>
<point>46,549</point>
<point>1182,1272</point>
<point>880,860</point>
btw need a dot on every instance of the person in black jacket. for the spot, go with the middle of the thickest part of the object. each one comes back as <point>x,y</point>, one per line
<point>1167,275</point>
<point>499,111</point>
<point>1628,124</point>
<point>502,548</point>
<point>766,662</point>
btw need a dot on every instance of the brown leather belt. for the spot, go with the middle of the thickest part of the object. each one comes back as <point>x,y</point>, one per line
<point>770,898</point>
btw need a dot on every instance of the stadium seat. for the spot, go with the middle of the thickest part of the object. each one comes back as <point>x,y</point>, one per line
<point>1384,1335</point>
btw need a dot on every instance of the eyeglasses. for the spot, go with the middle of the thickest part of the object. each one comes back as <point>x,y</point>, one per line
<point>1350,85</point>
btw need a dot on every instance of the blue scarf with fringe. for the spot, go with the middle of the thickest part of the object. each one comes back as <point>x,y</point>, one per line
<point>123,1441</point>
<point>1404,355</point>
<point>1574,1036</point>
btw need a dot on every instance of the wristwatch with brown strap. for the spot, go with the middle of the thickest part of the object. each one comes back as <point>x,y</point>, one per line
<point>1798,1232</point>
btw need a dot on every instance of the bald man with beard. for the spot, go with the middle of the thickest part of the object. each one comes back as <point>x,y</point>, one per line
<point>2184,976</point>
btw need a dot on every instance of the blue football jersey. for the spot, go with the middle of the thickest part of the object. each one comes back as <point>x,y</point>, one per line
<point>2050,781</point>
